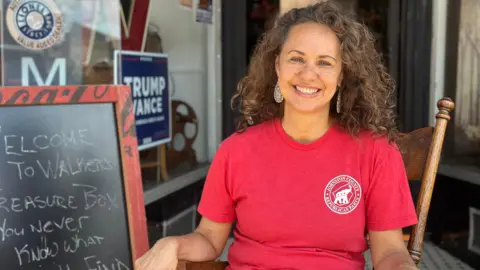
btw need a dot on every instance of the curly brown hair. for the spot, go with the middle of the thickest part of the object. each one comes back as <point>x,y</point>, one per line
<point>367,90</point>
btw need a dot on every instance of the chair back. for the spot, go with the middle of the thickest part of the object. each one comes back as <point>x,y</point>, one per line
<point>421,151</point>
<point>210,265</point>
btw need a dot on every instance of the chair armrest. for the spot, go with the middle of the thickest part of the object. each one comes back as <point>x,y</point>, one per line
<point>209,265</point>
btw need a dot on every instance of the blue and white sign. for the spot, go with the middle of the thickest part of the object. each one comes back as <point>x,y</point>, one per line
<point>147,76</point>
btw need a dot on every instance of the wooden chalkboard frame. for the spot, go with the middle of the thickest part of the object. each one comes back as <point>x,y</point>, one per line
<point>119,95</point>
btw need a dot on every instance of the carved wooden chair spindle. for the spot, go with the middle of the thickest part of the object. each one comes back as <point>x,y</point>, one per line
<point>421,150</point>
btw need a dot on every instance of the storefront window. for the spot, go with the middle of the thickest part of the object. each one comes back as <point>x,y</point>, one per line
<point>461,154</point>
<point>74,42</point>
<point>188,33</point>
<point>174,29</point>
<point>66,42</point>
<point>467,97</point>
<point>71,42</point>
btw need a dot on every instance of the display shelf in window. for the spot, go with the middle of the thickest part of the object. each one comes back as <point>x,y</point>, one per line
<point>179,178</point>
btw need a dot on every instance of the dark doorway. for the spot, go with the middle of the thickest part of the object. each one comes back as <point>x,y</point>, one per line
<point>243,24</point>
<point>414,63</point>
<point>261,15</point>
<point>234,55</point>
<point>403,29</point>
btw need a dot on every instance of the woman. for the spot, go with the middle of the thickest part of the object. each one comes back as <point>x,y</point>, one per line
<point>314,167</point>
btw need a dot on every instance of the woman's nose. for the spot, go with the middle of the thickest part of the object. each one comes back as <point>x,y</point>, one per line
<point>308,72</point>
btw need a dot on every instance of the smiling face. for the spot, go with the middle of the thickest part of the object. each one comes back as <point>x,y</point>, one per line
<point>309,68</point>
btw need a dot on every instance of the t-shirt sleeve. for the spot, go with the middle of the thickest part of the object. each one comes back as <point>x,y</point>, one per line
<point>216,202</point>
<point>388,200</point>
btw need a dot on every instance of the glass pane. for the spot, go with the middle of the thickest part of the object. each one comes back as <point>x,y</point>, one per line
<point>172,30</point>
<point>467,108</point>
<point>59,42</point>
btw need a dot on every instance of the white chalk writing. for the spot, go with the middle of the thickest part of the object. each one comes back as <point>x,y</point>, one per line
<point>74,243</point>
<point>67,223</point>
<point>43,225</point>
<point>16,145</point>
<point>62,167</point>
<point>92,198</point>
<point>93,263</point>
<point>18,205</point>
<point>45,250</point>
<point>6,231</point>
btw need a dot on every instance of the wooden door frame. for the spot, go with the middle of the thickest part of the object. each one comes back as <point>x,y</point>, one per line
<point>451,65</point>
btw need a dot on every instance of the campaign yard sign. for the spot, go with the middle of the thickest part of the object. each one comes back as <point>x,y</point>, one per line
<point>147,76</point>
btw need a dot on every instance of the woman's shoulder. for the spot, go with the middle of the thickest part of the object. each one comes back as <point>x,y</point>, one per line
<point>248,137</point>
<point>378,144</point>
<point>369,140</point>
<point>371,147</point>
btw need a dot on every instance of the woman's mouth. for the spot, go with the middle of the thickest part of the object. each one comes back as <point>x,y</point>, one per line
<point>306,91</point>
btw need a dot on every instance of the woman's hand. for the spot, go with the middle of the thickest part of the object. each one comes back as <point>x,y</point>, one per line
<point>206,243</point>
<point>163,255</point>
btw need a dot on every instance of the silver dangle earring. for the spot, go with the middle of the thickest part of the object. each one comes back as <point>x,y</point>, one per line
<point>249,120</point>
<point>277,95</point>
<point>339,97</point>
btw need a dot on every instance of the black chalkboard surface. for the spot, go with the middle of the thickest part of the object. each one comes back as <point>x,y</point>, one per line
<point>63,202</point>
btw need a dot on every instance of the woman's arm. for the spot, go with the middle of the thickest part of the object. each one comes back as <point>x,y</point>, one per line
<point>390,207</point>
<point>389,251</point>
<point>205,243</point>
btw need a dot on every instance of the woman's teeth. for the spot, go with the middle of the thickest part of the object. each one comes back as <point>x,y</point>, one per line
<point>307,90</point>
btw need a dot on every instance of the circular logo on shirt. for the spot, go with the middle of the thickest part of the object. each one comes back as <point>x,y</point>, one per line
<point>34,24</point>
<point>342,194</point>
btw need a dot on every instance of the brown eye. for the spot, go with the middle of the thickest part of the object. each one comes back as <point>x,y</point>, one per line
<point>324,63</point>
<point>296,60</point>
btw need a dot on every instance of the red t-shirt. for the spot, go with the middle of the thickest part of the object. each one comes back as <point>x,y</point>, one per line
<point>305,206</point>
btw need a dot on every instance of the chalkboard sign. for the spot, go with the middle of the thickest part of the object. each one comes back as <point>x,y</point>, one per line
<point>71,195</point>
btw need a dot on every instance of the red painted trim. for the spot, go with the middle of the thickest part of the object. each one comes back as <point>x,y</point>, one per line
<point>132,39</point>
<point>131,168</point>
<point>120,96</point>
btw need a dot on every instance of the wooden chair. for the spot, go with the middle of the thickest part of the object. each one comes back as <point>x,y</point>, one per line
<point>421,150</point>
